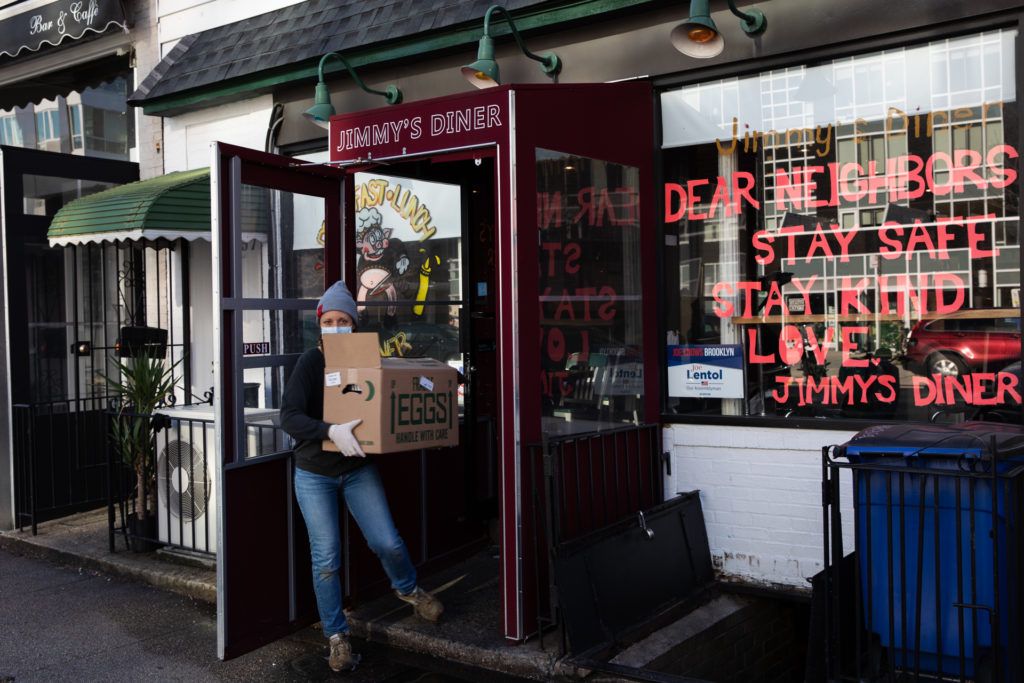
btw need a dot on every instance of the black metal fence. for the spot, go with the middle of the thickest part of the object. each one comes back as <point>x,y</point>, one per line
<point>179,471</point>
<point>580,483</point>
<point>933,589</point>
<point>60,457</point>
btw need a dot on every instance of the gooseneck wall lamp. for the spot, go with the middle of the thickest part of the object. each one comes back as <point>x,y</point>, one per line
<point>699,37</point>
<point>483,73</point>
<point>322,110</point>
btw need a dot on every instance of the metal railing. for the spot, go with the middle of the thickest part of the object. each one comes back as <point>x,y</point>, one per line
<point>933,590</point>
<point>580,483</point>
<point>181,469</point>
<point>59,458</point>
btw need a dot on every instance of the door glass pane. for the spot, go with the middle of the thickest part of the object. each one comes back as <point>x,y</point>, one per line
<point>409,261</point>
<point>590,298</point>
<point>282,244</point>
<point>281,249</point>
<point>408,242</point>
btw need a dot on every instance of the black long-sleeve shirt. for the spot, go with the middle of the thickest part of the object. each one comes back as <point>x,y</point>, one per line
<point>302,416</point>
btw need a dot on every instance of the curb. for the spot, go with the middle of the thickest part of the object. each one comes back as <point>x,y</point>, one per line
<point>544,668</point>
<point>195,590</point>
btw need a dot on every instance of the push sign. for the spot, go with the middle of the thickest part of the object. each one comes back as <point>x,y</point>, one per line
<point>256,348</point>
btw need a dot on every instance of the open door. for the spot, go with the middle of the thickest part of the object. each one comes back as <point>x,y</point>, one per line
<point>424,286</point>
<point>267,276</point>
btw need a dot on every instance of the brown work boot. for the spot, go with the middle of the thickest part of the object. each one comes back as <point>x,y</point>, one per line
<point>424,604</point>
<point>342,658</point>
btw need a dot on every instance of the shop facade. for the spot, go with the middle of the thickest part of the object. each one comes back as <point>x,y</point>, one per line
<point>836,224</point>
<point>66,131</point>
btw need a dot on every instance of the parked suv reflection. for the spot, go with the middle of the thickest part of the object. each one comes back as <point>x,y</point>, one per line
<point>962,344</point>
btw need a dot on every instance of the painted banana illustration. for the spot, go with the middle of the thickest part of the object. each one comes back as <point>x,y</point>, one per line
<point>425,269</point>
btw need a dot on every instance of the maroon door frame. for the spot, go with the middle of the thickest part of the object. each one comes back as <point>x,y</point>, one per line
<point>263,587</point>
<point>610,122</point>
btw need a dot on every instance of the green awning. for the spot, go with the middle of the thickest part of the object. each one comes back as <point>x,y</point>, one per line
<point>172,206</point>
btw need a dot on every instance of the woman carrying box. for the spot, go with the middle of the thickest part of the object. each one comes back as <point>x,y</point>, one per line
<point>318,476</point>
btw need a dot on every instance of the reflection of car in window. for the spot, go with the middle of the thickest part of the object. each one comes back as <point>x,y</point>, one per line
<point>959,345</point>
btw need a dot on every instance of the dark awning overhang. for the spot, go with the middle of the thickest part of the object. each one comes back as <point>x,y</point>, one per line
<point>51,84</point>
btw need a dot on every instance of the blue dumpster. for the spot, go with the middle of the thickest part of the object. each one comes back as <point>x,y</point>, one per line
<point>937,510</point>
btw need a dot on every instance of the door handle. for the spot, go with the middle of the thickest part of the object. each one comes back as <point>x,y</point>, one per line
<point>643,525</point>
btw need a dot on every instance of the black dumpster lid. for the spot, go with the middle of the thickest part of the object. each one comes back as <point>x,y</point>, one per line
<point>912,439</point>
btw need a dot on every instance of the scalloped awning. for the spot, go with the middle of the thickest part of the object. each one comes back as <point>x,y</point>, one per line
<point>172,206</point>
<point>28,26</point>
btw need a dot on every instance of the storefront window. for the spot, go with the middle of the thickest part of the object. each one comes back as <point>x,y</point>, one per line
<point>45,195</point>
<point>843,237</point>
<point>93,121</point>
<point>591,334</point>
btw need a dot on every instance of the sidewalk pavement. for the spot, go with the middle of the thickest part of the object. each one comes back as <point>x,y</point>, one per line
<point>470,633</point>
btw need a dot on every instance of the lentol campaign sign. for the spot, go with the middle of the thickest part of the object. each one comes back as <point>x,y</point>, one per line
<point>705,371</point>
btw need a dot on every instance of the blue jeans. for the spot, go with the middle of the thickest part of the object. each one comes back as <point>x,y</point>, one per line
<point>364,495</point>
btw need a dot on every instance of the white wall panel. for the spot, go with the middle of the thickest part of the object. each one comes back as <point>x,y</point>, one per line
<point>760,490</point>
<point>187,137</point>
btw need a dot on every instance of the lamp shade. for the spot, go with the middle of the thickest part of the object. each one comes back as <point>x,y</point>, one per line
<point>484,72</point>
<point>322,110</point>
<point>698,36</point>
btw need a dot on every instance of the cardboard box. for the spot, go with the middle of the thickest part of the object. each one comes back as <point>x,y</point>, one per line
<point>404,403</point>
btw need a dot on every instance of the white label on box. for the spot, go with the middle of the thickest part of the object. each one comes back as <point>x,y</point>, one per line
<point>426,383</point>
<point>332,379</point>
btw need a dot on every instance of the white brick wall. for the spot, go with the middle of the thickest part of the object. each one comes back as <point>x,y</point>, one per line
<point>760,490</point>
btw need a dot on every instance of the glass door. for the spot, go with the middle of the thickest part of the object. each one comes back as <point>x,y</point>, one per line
<point>269,272</point>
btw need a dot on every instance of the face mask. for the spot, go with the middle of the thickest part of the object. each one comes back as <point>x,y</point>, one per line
<point>335,330</point>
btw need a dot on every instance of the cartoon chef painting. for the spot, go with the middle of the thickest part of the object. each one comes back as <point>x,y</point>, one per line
<point>382,260</point>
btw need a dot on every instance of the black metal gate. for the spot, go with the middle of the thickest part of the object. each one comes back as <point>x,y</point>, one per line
<point>79,298</point>
<point>53,467</point>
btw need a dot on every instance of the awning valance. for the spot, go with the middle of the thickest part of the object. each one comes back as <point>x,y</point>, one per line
<point>172,206</point>
<point>28,26</point>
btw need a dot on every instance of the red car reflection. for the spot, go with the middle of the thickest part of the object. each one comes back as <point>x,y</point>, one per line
<point>962,344</point>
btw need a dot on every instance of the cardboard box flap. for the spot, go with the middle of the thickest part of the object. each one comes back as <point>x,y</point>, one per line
<point>356,350</point>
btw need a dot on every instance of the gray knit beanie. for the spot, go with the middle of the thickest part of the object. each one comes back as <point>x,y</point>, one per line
<point>338,298</point>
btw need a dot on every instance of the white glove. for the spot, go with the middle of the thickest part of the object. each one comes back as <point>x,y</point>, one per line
<point>345,440</point>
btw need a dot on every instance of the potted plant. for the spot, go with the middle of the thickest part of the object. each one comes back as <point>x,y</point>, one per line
<point>144,382</point>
